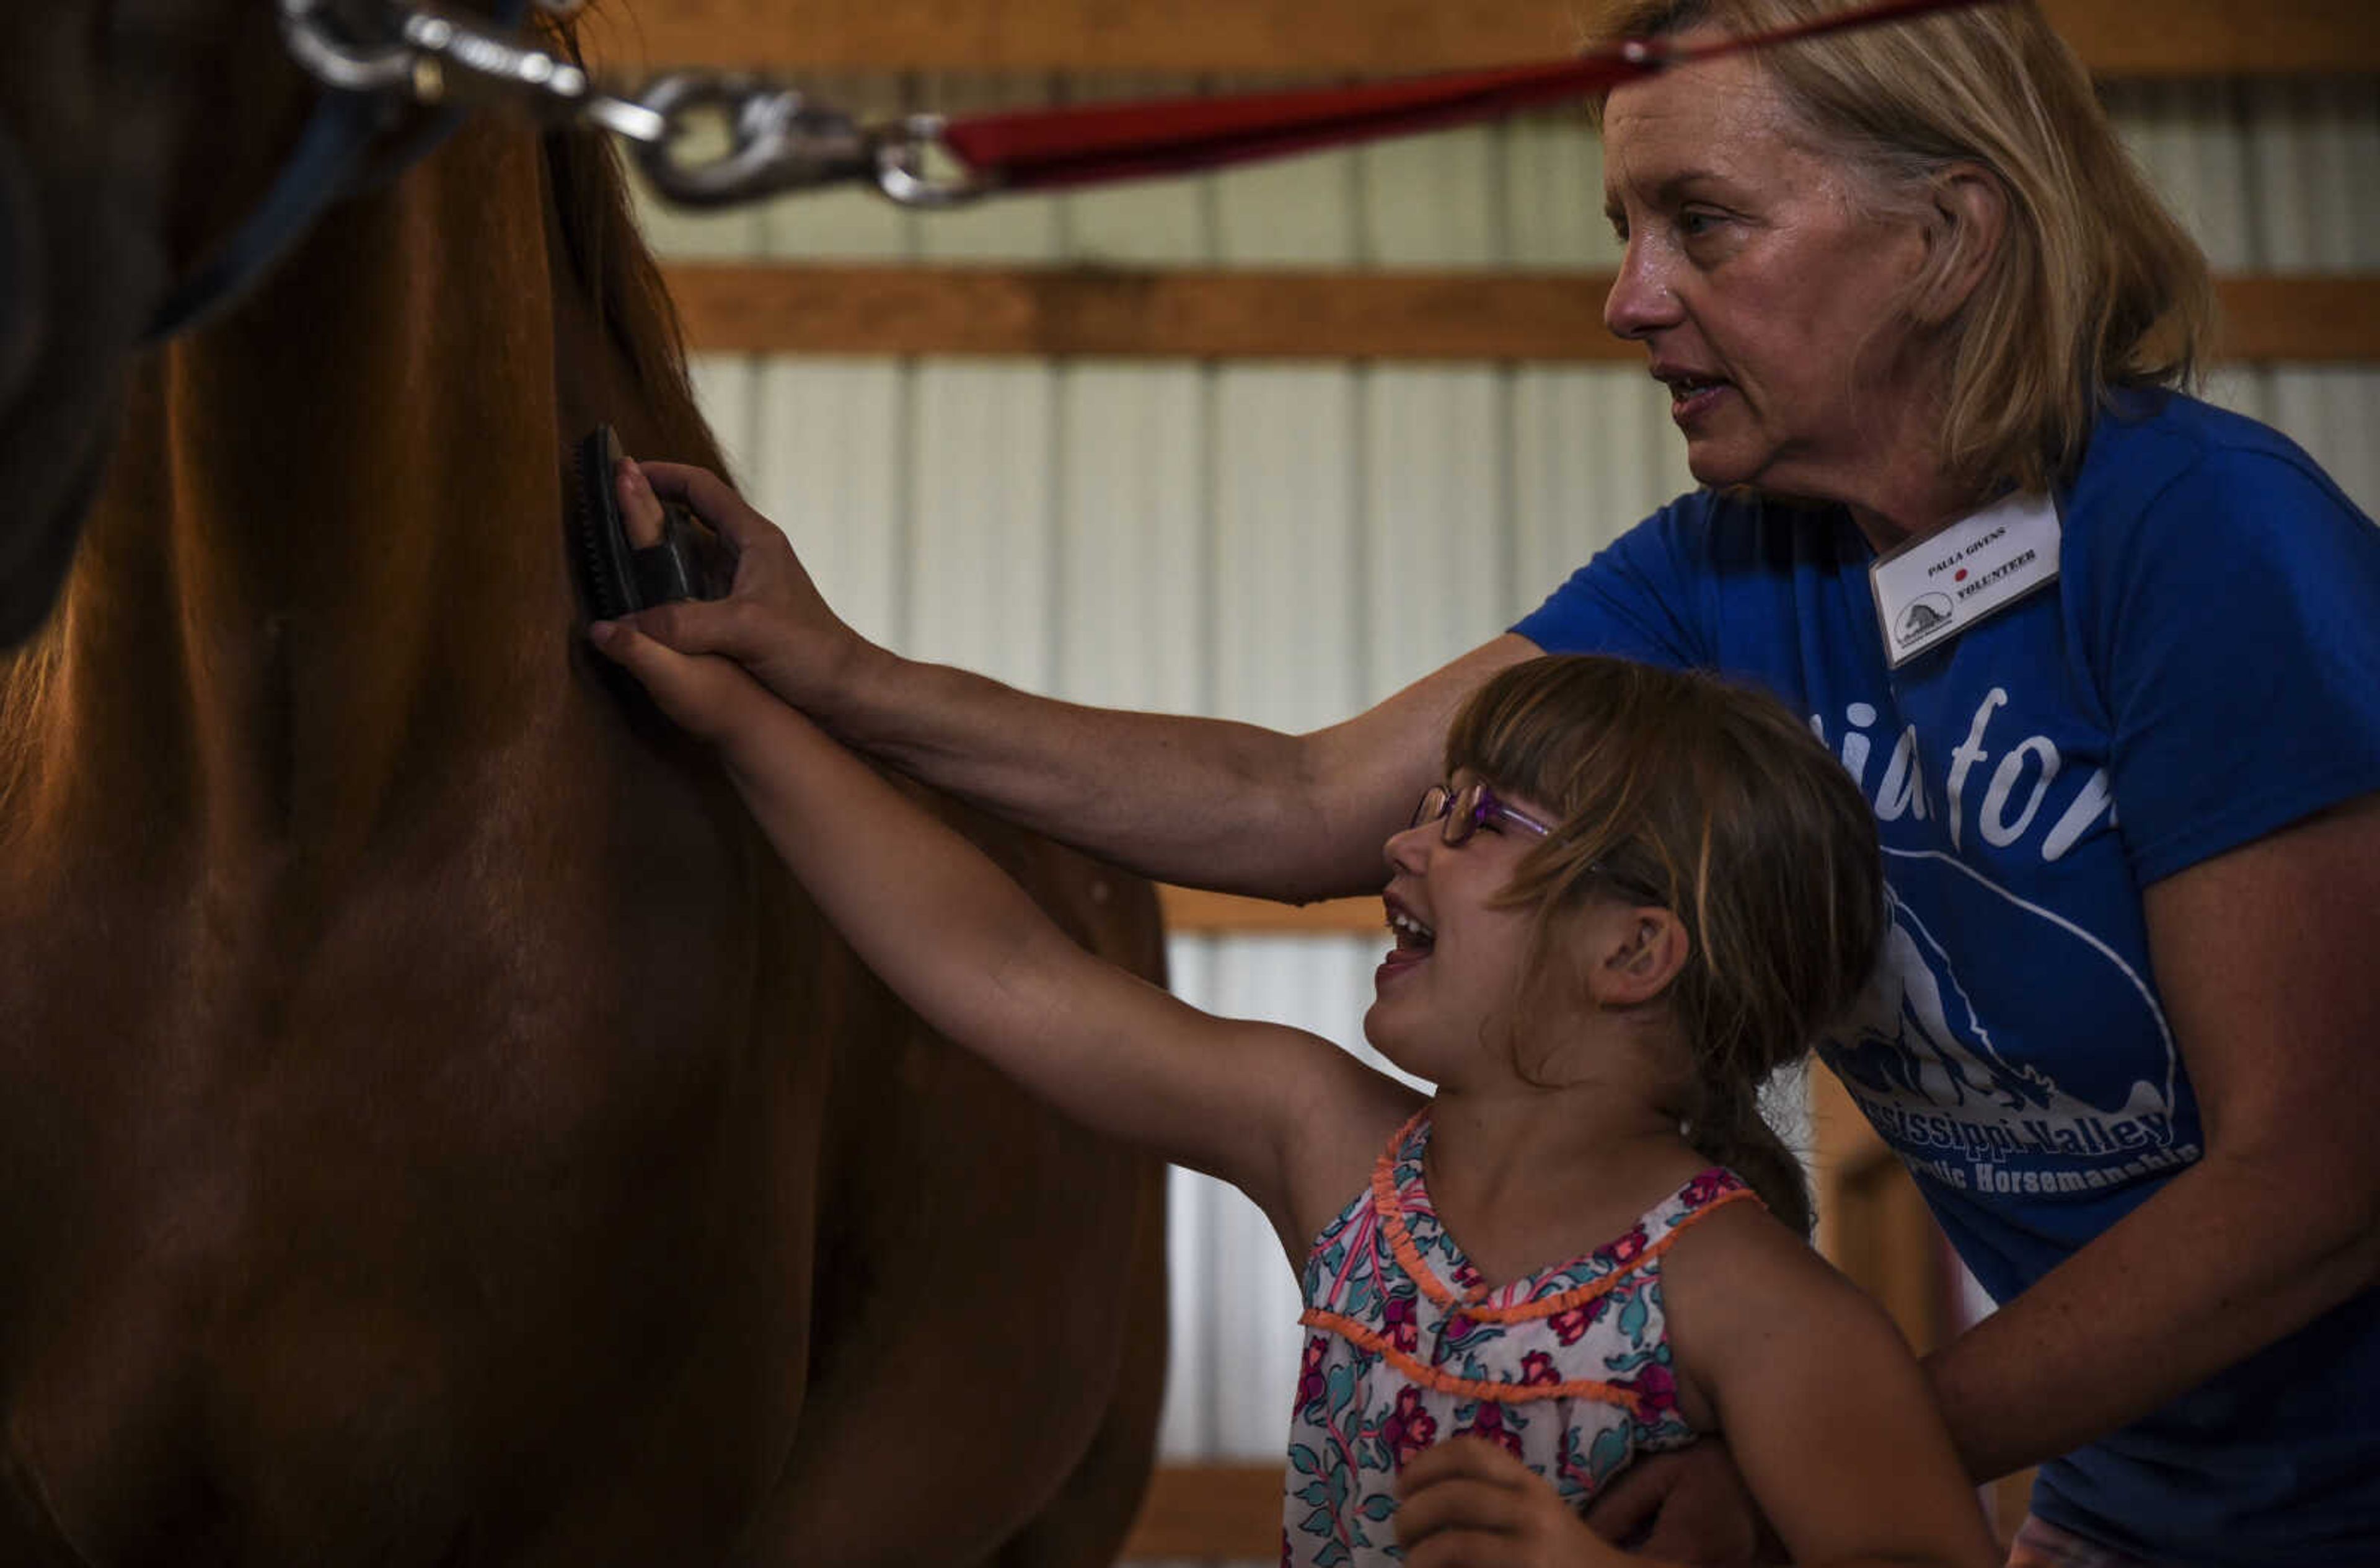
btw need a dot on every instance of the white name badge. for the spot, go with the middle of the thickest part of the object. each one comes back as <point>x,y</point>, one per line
<point>1932,589</point>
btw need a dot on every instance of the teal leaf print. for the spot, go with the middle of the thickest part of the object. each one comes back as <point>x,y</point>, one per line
<point>1303,1458</point>
<point>1316,1523</point>
<point>1634,1316</point>
<point>1342,1388</point>
<point>1312,1494</point>
<point>1331,1555</point>
<point>1378,1506</point>
<point>1609,1452</point>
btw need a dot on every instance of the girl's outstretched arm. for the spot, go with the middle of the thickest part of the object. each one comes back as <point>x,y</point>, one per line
<point>1826,1411</point>
<point>1285,1116</point>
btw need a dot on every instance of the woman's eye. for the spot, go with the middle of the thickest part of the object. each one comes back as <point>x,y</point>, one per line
<point>1693,225</point>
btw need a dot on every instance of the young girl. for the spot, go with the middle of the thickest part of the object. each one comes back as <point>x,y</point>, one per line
<point>1637,895</point>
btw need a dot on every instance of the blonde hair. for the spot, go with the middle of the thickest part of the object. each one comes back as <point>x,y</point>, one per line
<point>1712,801</point>
<point>2093,287</point>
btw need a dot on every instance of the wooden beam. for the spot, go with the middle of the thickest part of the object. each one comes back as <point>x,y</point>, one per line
<point>1210,1511</point>
<point>1043,312</point>
<point>2118,38</point>
<point>2300,320</point>
<point>1221,913</point>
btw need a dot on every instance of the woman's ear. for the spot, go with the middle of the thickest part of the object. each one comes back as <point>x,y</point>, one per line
<point>1964,222</point>
<point>1643,948</point>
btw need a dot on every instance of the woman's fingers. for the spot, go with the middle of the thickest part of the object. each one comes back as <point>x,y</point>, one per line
<point>1460,1457</point>
<point>640,510</point>
<point>713,500</point>
<point>1462,1485</point>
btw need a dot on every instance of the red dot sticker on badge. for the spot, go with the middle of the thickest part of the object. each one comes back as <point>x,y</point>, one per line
<point>1961,576</point>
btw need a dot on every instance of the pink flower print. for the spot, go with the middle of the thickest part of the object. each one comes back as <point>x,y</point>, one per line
<point>1309,1371</point>
<point>1408,1428</point>
<point>1489,1424</point>
<point>1628,1247</point>
<point>1537,1369</point>
<point>1570,1327</point>
<point>1397,1318</point>
<point>1655,1391</point>
<point>1711,1184</point>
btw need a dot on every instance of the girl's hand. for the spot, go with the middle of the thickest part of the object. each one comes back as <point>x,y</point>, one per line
<point>1467,1503</point>
<point>708,698</point>
<point>773,620</point>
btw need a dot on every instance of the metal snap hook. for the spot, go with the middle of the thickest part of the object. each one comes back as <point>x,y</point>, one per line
<point>902,171</point>
<point>776,141</point>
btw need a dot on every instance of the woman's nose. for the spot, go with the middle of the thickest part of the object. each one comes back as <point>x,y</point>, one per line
<point>1641,301</point>
<point>1408,848</point>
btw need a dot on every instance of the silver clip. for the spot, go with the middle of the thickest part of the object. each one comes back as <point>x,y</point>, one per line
<point>776,141</point>
<point>903,156</point>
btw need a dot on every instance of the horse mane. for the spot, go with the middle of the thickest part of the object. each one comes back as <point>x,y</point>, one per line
<point>623,280</point>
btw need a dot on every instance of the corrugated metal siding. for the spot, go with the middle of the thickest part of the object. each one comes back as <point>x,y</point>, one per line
<point>1287,543</point>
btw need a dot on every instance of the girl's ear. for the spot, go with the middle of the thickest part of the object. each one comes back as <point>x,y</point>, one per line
<point>1641,951</point>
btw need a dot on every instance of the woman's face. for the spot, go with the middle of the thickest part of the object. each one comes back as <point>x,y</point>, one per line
<point>1763,288</point>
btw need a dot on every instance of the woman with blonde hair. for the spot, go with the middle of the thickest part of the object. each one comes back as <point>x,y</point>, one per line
<point>2103,660</point>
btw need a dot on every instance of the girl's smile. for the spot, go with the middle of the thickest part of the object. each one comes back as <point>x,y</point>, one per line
<point>1455,963</point>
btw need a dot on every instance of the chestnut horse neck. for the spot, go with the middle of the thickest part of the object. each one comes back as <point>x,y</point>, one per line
<point>330,559</point>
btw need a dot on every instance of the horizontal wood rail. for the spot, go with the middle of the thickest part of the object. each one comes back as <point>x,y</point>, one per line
<point>2138,39</point>
<point>1049,311</point>
<point>1193,910</point>
<point>1210,1512</point>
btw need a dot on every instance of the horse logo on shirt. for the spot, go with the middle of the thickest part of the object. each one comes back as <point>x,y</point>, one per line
<point>1925,1069</point>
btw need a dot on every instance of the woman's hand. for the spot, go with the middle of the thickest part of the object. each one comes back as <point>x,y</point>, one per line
<point>1691,1506</point>
<point>773,620</point>
<point>1467,1503</point>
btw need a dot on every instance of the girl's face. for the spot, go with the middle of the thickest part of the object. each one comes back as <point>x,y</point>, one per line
<point>1445,994</point>
<point>1763,285</point>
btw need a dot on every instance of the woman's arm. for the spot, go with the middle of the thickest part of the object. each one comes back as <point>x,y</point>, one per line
<point>2263,958</point>
<point>1196,801</point>
<point>1288,1118</point>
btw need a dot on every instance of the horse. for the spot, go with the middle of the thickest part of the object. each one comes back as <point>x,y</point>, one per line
<point>433,1129</point>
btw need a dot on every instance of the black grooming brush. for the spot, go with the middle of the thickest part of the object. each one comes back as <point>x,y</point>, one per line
<point>617,577</point>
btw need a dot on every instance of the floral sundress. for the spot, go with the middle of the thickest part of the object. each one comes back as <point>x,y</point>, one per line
<point>1568,1369</point>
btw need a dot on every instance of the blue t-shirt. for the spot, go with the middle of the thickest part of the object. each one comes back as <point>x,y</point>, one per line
<point>2205,670</point>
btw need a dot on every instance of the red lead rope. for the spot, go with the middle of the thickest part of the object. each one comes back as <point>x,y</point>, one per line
<point>1043,149</point>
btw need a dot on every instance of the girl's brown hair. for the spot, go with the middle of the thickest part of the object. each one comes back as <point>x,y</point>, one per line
<point>1710,800</point>
<point>2093,286</point>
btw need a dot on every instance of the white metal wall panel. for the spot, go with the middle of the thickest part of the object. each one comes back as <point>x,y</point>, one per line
<point>830,468</point>
<point>1285,543</point>
<point>2334,412</point>
<point>982,587</point>
<point>727,387</point>
<point>1432,201</point>
<point>1553,194</point>
<point>1133,559</point>
<point>1434,546</point>
<point>2315,158</point>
